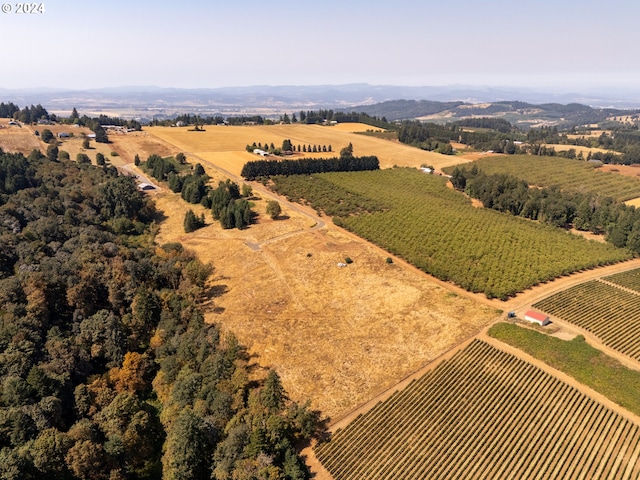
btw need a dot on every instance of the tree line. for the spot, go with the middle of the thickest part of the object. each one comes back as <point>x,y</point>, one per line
<point>287,146</point>
<point>265,168</point>
<point>585,211</point>
<point>108,369</point>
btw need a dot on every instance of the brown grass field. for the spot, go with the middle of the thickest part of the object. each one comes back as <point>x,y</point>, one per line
<point>225,145</point>
<point>336,335</point>
<point>592,133</point>
<point>16,139</point>
<point>585,150</point>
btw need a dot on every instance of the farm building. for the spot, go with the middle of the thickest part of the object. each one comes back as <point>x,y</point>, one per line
<point>536,317</point>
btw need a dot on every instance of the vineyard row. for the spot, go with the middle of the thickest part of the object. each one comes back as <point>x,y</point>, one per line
<point>485,414</point>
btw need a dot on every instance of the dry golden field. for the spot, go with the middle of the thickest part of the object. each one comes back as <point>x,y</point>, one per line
<point>226,144</point>
<point>128,145</point>
<point>591,133</point>
<point>585,150</point>
<point>16,139</point>
<point>336,335</point>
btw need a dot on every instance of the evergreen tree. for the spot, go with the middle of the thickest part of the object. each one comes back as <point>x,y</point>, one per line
<point>52,153</point>
<point>273,209</point>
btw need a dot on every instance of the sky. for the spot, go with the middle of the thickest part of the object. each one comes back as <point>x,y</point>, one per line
<point>568,44</point>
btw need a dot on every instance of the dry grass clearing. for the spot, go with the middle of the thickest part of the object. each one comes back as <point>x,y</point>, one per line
<point>336,335</point>
<point>17,139</point>
<point>628,170</point>
<point>591,133</point>
<point>222,141</point>
<point>130,144</point>
<point>585,150</point>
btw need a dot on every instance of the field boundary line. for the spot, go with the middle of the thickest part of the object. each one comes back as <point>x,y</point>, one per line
<point>385,394</point>
<point>600,398</point>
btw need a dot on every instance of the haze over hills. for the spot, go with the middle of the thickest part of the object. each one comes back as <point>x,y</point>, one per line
<point>150,101</point>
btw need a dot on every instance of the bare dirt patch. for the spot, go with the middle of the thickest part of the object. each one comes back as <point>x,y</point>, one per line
<point>628,170</point>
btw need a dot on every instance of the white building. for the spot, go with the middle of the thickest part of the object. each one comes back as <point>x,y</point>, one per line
<point>537,318</point>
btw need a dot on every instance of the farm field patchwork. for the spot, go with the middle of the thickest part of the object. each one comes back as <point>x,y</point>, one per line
<point>573,175</point>
<point>483,414</point>
<point>577,359</point>
<point>439,231</point>
<point>610,313</point>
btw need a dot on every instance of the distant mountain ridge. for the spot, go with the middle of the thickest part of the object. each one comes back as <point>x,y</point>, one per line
<point>393,102</point>
<point>325,95</point>
<point>515,112</point>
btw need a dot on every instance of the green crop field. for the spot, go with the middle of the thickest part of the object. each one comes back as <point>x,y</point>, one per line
<point>485,414</point>
<point>415,216</point>
<point>571,175</point>
<point>629,279</point>
<point>578,359</point>
<point>610,313</point>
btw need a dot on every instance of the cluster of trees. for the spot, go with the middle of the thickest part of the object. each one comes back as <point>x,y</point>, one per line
<point>160,167</point>
<point>501,137</point>
<point>16,173</point>
<point>345,163</point>
<point>95,122</point>
<point>198,120</point>
<point>193,222</point>
<point>108,370</point>
<point>308,117</point>
<point>306,166</point>
<point>192,187</point>
<point>228,206</point>
<point>498,124</point>
<point>29,114</point>
<point>328,115</point>
<point>287,146</point>
<point>225,201</point>
<point>583,210</point>
<point>8,110</point>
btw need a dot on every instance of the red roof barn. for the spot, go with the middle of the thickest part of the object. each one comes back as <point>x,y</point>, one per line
<point>536,317</point>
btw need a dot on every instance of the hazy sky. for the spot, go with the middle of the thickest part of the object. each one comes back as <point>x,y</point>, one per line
<point>198,43</point>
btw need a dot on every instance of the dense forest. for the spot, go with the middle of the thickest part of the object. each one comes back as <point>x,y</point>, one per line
<point>107,367</point>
